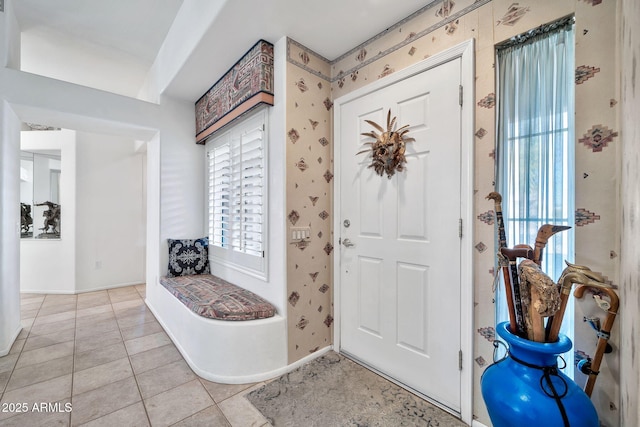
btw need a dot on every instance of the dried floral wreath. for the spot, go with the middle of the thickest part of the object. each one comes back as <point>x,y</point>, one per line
<point>388,150</point>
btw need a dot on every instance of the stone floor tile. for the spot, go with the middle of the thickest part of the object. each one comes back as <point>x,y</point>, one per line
<point>99,356</point>
<point>212,416</point>
<point>17,346</point>
<point>32,374</point>
<point>138,345</point>
<point>52,390</point>
<point>98,376</point>
<point>133,305</point>
<point>240,412</point>
<point>123,294</point>
<point>28,313</point>
<point>166,377</point>
<point>154,358</point>
<point>55,415</point>
<point>136,319</point>
<point>4,379</point>
<point>99,327</point>
<point>177,404</point>
<point>47,328</point>
<point>31,298</point>
<point>141,330</point>
<point>57,299</point>
<point>44,354</point>
<point>54,309</point>
<point>27,325</point>
<point>220,392</point>
<point>93,311</point>
<point>50,318</point>
<point>131,416</point>
<point>98,341</point>
<point>104,400</point>
<point>93,299</point>
<point>8,362</point>
<point>37,340</point>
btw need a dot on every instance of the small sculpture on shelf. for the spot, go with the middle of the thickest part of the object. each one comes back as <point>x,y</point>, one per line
<point>26,221</point>
<point>51,221</point>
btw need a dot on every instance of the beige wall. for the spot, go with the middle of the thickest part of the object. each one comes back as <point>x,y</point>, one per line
<point>434,29</point>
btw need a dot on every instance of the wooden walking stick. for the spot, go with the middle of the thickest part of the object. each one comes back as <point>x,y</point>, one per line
<point>503,262</point>
<point>593,368</point>
<point>572,274</point>
<point>544,232</point>
<point>512,255</point>
<point>567,279</point>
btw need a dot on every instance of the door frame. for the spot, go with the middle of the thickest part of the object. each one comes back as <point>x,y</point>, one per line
<point>465,51</point>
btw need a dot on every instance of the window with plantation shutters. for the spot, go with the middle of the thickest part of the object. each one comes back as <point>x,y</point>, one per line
<point>236,194</point>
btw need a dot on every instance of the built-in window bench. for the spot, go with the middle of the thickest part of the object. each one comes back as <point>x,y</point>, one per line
<point>226,333</point>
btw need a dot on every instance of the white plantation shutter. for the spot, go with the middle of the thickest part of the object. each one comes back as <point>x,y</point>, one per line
<point>236,193</point>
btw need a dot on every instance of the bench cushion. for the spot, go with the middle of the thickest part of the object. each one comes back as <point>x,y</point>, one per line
<point>215,298</point>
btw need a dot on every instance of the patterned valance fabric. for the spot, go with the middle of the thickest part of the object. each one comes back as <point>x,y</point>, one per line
<point>215,298</point>
<point>247,84</point>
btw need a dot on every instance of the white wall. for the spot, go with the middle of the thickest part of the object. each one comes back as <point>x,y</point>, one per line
<point>9,192</point>
<point>9,226</point>
<point>110,226</point>
<point>48,265</point>
<point>64,60</point>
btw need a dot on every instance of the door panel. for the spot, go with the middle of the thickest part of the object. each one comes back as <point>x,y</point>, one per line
<point>400,281</point>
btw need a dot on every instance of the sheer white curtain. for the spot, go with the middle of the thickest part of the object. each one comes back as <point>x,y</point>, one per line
<point>535,146</point>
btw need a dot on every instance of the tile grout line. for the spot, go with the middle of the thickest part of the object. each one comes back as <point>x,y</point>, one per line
<point>73,362</point>
<point>133,372</point>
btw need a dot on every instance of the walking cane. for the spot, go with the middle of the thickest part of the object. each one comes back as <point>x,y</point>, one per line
<point>512,255</point>
<point>503,262</point>
<point>592,368</point>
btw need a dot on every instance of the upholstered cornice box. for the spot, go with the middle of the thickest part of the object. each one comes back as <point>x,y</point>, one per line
<point>246,85</point>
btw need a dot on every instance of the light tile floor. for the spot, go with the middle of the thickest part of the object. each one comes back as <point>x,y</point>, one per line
<point>104,356</point>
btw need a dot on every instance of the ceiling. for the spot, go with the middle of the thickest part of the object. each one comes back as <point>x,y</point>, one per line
<point>138,28</point>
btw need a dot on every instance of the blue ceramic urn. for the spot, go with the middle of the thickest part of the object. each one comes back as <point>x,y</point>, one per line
<point>526,388</point>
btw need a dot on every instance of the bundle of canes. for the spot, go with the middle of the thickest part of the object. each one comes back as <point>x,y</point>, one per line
<point>572,274</point>
<point>514,308</point>
<point>592,368</point>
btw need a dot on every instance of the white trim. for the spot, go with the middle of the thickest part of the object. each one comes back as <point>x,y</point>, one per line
<point>80,291</point>
<point>476,423</point>
<point>464,51</point>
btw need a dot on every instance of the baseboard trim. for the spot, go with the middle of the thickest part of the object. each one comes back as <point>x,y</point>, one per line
<point>476,423</point>
<point>79,291</point>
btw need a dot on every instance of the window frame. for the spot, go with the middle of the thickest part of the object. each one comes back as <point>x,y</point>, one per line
<point>253,265</point>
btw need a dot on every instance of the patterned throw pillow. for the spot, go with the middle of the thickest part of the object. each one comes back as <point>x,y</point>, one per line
<point>188,256</point>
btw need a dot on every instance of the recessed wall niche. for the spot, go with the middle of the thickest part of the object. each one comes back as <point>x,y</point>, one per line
<point>40,209</point>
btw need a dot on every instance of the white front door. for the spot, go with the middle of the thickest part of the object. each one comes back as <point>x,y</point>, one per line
<point>400,275</point>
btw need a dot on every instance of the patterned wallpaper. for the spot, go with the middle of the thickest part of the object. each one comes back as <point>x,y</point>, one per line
<point>309,169</point>
<point>430,30</point>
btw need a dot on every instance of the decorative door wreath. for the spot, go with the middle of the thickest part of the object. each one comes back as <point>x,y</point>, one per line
<point>387,151</point>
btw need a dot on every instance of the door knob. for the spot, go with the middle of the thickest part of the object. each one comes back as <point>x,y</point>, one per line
<point>348,243</point>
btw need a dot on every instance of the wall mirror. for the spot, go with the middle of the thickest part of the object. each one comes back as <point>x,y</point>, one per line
<point>40,194</point>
